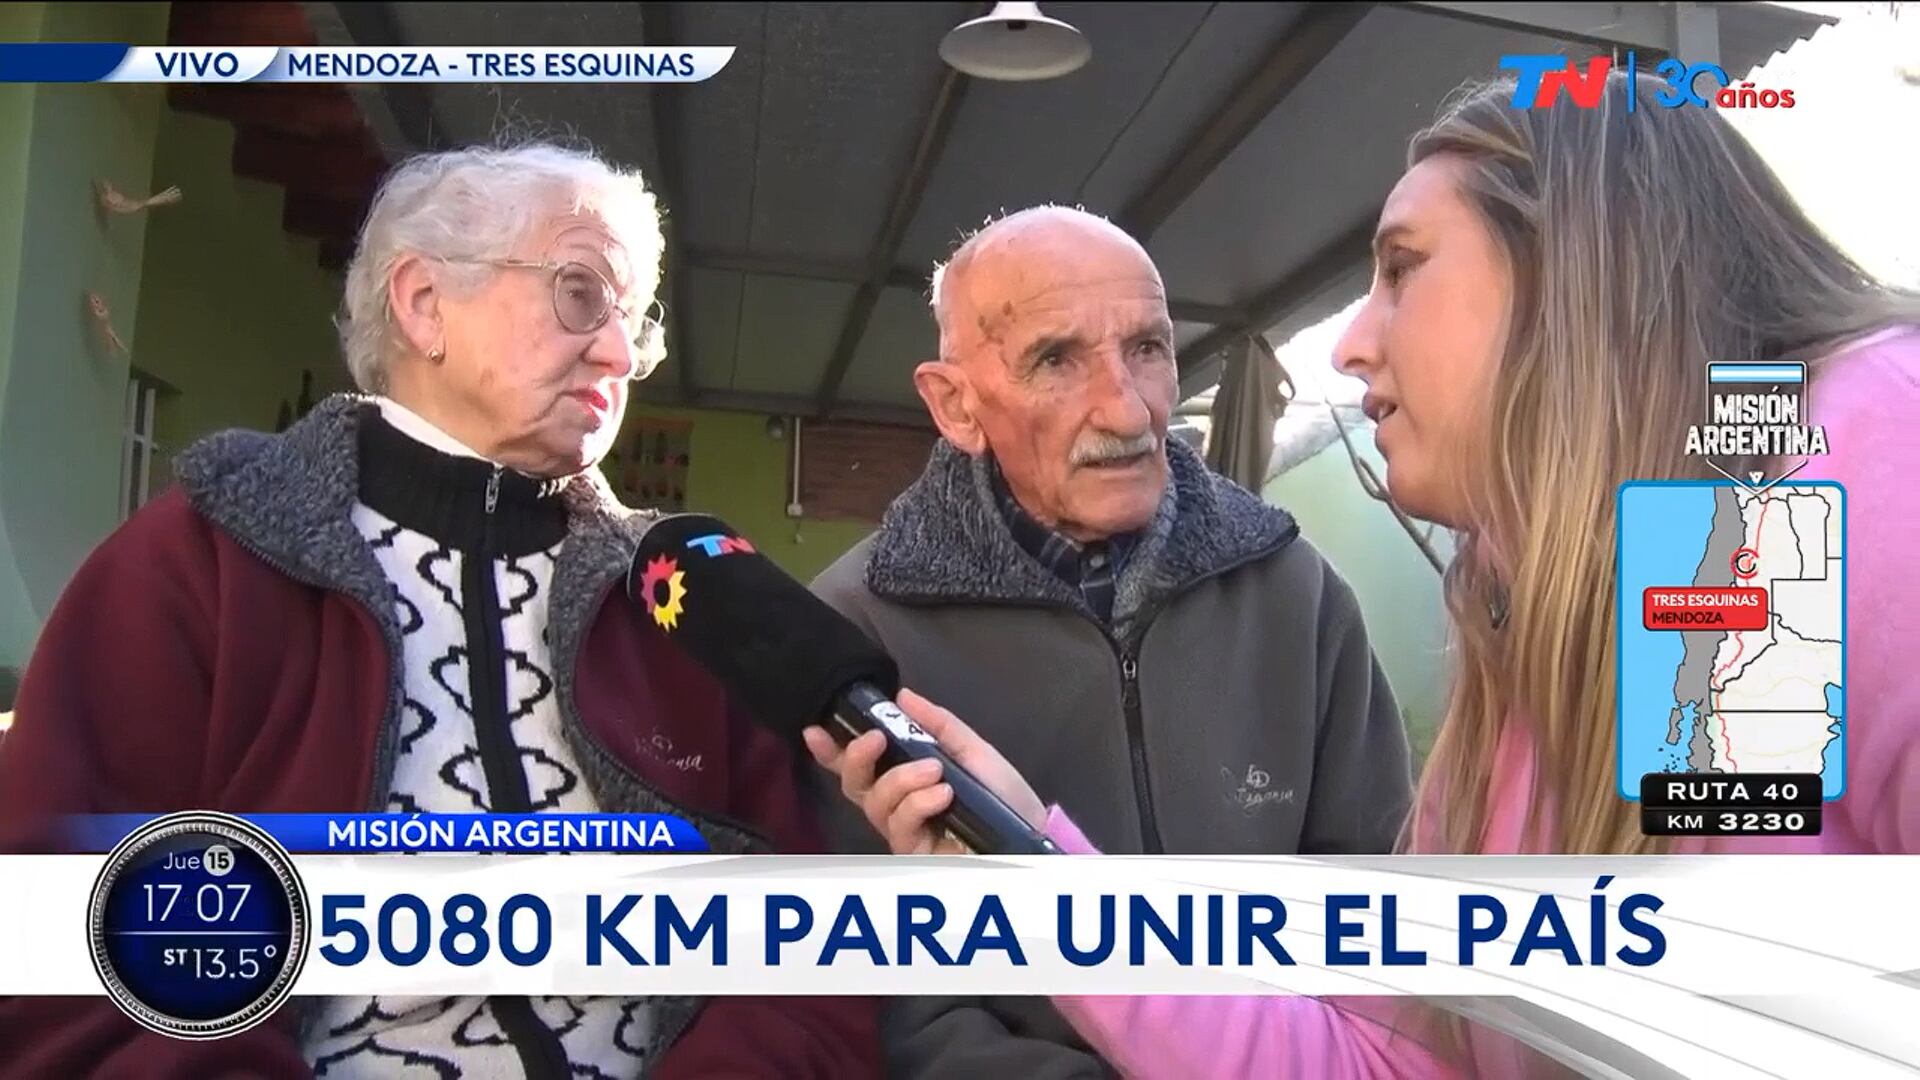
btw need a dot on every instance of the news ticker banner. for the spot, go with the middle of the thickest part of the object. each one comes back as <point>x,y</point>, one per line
<point>360,834</point>
<point>54,62</point>
<point>501,903</point>
<point>200,925</point>
<point>720,925</point>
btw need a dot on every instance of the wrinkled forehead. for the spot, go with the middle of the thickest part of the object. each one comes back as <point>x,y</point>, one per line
<point>1033,283</point>
<point>585,238</point>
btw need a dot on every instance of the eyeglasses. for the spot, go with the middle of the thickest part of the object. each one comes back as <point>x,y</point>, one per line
<point>583,301</point>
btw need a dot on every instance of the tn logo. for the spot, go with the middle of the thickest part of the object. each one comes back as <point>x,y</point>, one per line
<point>718,544</point>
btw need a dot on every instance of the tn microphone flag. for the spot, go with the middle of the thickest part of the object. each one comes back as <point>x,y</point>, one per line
<point>780,650</point>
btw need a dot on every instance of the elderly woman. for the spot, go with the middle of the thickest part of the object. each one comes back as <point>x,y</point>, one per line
<point>411,601</point>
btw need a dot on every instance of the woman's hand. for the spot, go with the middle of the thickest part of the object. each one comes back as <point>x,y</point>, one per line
<point>901,804</point>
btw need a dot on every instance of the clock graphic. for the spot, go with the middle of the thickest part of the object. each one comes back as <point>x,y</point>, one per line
<point>198,925</point>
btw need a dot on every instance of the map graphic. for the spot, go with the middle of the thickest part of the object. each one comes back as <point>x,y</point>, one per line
<point>1755,681</point>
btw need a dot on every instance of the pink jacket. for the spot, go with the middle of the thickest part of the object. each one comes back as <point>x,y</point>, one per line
<point>1868,397</point>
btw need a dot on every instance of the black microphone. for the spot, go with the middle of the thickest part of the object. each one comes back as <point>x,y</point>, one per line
<point>792,661</point>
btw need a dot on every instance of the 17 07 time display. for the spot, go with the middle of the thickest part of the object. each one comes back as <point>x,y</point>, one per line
<point>198,925</point>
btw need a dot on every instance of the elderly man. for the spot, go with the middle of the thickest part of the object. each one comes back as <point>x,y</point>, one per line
<point>411,601</point>
<point>1153,647</point>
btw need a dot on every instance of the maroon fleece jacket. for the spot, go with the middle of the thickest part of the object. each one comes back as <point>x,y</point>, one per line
<point>179,670</point>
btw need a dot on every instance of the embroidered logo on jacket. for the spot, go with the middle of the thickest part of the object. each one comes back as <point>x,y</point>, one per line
<point>1253,792</point>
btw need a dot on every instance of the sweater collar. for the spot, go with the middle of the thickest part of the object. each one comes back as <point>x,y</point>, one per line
<point>423,430</point>
<point>453,495</point>
<point>1056,550</point>
<point>289,499</point>
<point>944,539</point>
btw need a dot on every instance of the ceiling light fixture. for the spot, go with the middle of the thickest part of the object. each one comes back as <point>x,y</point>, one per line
<point>1015,43</point>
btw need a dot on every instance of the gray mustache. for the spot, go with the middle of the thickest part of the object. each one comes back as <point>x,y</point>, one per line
<point>1100,447</point>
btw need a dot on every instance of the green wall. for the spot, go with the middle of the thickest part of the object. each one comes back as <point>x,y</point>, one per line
<point>63,394</point>
<point>227,325</point>
<point>1398,590</point>
<point>738,474</point>
<point>211,296</point>
<point>18,22</point>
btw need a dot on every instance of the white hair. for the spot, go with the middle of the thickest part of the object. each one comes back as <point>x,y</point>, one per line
<point>937,297</point>
<point>478,204</point>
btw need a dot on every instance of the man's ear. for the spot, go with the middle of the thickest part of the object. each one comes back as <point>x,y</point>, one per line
<point>944,387</point>
<point>414,298</point>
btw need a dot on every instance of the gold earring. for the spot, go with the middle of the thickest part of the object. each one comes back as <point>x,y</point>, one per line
<point>437,355</point>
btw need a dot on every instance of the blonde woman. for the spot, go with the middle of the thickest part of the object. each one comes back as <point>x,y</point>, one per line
<point>1549,285</point>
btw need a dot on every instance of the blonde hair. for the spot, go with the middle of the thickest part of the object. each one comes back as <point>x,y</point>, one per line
<point>1642,246</point>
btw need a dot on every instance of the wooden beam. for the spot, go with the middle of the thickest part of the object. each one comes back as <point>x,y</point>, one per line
<point>308,111</point>
<point>656,28</point>
<point>900,277</point>
<point>410,104</point>
<point>1600,25</point>
<point>742,262</point>
<point>336,168</point>
<point>934,130</point>
<point>224,23</point>
<point>1273,303</point>
<point>393,137</point>
<point>1196,311</point>
<point>668,393</point>
<point>1308,40</point>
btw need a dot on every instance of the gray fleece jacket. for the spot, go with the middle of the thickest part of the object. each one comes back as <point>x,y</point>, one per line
<point>1233,707</point>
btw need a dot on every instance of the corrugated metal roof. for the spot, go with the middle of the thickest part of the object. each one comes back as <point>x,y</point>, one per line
<point>1250,144</point>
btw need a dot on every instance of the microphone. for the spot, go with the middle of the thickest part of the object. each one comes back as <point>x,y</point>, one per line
<point>792,661</point>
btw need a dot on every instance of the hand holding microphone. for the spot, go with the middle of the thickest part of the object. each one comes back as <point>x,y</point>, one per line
<point>905,802</point>
<point>794,663</point>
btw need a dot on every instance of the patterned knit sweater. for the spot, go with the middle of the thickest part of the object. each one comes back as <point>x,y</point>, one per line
<point>469,548</point>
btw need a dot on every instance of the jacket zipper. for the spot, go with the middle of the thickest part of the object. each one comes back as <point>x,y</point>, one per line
<point>1130,690</point>
<point>1150,840</point>
<point>541,1054</point>
<point>486,672</point>
<point>1127,653</point>
<point>557,1065</point>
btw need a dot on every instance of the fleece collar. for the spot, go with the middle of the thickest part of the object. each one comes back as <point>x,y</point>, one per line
<point>944,541</point>
<point>289,499</point>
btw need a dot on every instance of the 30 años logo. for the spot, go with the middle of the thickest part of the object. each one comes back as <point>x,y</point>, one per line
<point>1540,79</point>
